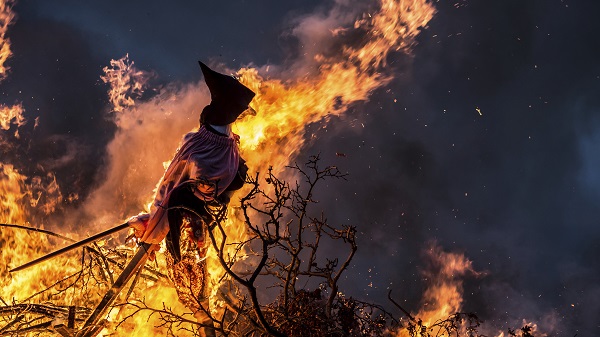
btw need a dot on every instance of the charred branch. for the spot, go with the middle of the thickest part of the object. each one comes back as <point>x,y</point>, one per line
<point>50,311</point>
<point>27,318</point>
<point>285,233</point>
<point>281,228</point>
<point>46,326</point>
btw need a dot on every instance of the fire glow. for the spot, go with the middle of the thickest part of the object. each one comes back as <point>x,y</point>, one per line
<point>149,131</point>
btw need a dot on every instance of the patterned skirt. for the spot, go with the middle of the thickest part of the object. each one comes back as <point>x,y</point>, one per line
<point>188,270</point>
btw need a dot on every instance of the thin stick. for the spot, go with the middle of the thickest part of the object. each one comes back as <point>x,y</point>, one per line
<point>33,229</point>
<point>38,327</point>
<point>13,322</point>
<point>399,307</point>
<point>72,246</point>
<point>135,279</point>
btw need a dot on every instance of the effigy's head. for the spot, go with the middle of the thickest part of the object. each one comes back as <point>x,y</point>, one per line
<point>229,98</point>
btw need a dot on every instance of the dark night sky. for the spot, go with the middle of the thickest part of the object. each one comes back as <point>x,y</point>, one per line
<point>515,189</point>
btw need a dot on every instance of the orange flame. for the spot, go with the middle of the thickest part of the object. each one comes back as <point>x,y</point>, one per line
<point>19,246</point>
<point>44,193</point>
<point>6,18</point>
<point>286,107</point>
<point>126,83</point>
<point>443,296</point>
<point>11,196</point>
<point>321,85</point>
<point>14,114</point>
<point>11,115</point>
<point>272,137</point>
<point>534,330</point>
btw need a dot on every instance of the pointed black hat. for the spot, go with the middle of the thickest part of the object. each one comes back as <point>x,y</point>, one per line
<point>229,98</point>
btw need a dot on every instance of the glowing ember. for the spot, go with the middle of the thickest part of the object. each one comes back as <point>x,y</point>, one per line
<point>528,329</point>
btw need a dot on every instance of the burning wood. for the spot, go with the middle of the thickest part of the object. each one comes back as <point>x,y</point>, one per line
<point>99,267</point>
<point>26,318</point>
<point>71,247</point>
<point>271,237</point>
<point>282,248</point>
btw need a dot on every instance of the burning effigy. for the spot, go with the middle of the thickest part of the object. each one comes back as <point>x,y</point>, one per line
<point>111,289</point>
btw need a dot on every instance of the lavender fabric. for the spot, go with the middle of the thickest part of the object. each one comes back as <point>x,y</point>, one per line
<point>203,156</point>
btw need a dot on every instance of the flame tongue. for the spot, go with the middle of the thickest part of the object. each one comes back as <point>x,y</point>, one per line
<point>443,295</point>
<point>6,19</point>
<point>19,246</point>
<point>11,115</point>
<point>148,134</point>
<point>14,114</point>
<point>11,195</point>
<point>285,108</point>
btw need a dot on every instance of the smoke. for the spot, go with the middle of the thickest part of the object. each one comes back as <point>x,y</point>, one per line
<point>506,187</point>
<point>514,188</point>
<point>503,186</point>
<point>320,34</point>
<point>148,130</point>
<point>589,152</point>
<point>57,136</point>
<point>147,137</point>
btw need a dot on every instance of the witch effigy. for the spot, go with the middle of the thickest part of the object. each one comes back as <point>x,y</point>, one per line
<point>202,176</point>
<point>205,171</point>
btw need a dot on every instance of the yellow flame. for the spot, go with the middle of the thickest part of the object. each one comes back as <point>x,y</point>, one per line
<point>11,196</point>
<point>286,107</point>
<point>126,83</point>
<point>322,85</point>
<point>272,137</point>
<point>443,296</point>
<point>19,246</point>
<point>276,134</point>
